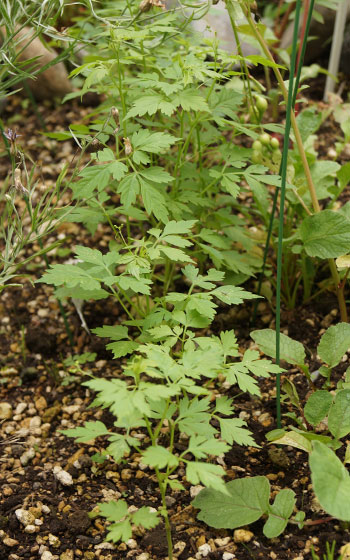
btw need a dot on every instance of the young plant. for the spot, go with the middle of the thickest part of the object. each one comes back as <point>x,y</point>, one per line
<point>246,500</point>
<point>168,392</point>
<point>323,421</point>
<point>28,223</point>
<point>328,555</point>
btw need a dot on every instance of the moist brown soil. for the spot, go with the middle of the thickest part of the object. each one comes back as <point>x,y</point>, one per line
<point>33,346</point>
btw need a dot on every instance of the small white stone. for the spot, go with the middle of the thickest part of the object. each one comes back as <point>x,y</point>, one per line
<point>179,547</point>
<point>5,411</point>
<point>105,546</point>
<point>34,423</point>
<point>45,508</point>
<point>143,556</point>
<point>23,432</point>
<point>24,516</point>
<point>47,555</point>
<point>222,541</point>
<point>29,529</point>
<point>331,153</point>
<point>228,556</point>
<point>204,549</point>
<point>131,543</point>
<point>9,429</point>
<point>133,509</point>
<point>43,312</point>
<point>38,522</point>
<point>27,456</point>
<point>62,476</point>
<point>54,541</point>
<point>194,490</point>
<point>20,407</point>
<point>71,409</point>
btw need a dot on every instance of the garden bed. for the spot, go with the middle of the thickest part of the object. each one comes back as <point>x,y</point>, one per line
<point>33,347</point>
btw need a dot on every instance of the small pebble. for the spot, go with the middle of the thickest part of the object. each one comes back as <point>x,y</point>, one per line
<point>126,474</point>
<point>27,456</point>
<point>265,419</point>
<point>71,409</point>
<point>203,550</point>
<point>47,555</point>
<point>54,541</point>
<point>20,407</point>
<point>105,546</point>
<point>331,153</point>
<point>25,517</point>
<point>222,541</point>
<point>67,555</point>
<point>10,542</point>
<point>179,547</point>
<point>143,556</point>
<point>34,423</point>
<point>40,403</point>
<point>345,551</point>
<point>170,501</point>
<point>5,411</point>
<point>194,490</point>
<point>29,529</point>
<point>242,535</point>
<point>131,543</point>
<point>62,476</point>
<point>227,556</point>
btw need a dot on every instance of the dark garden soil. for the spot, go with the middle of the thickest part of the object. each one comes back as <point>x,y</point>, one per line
<point>33,345</point>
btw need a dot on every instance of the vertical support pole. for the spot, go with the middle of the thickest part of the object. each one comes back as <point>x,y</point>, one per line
<point>337,43</point>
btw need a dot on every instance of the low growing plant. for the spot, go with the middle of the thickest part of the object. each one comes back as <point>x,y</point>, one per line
<point>169,391</point>
<point>323,421</point>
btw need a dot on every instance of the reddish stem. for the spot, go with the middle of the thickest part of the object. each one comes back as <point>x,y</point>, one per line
<point>319,521</point>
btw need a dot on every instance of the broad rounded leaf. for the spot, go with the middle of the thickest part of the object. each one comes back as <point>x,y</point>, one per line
<point>294,439</point>
<point>280,512</point>
<point>246,502</point>
<point>339,415</point>
<point>317,406</point>
<point>326,235</point>
<point>334,343</point>
<point>331,481</point>
<point>291,350</point>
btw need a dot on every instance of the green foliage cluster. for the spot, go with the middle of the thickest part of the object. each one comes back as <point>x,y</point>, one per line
<point>170,172</point>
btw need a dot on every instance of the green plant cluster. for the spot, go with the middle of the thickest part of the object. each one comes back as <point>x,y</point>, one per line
<point>181,169</point>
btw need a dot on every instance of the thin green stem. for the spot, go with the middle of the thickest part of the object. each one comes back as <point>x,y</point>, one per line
<point>299,142</point>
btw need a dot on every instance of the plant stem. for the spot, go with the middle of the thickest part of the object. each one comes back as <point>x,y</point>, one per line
<point>162,488</point>
<point>299,142</point>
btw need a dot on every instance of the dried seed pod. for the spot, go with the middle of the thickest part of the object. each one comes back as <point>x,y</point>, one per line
<point>18,183</point>
<point>146,5</point>
<point>127,146</point>
<point>93,146</point>
<point>115,115</point>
